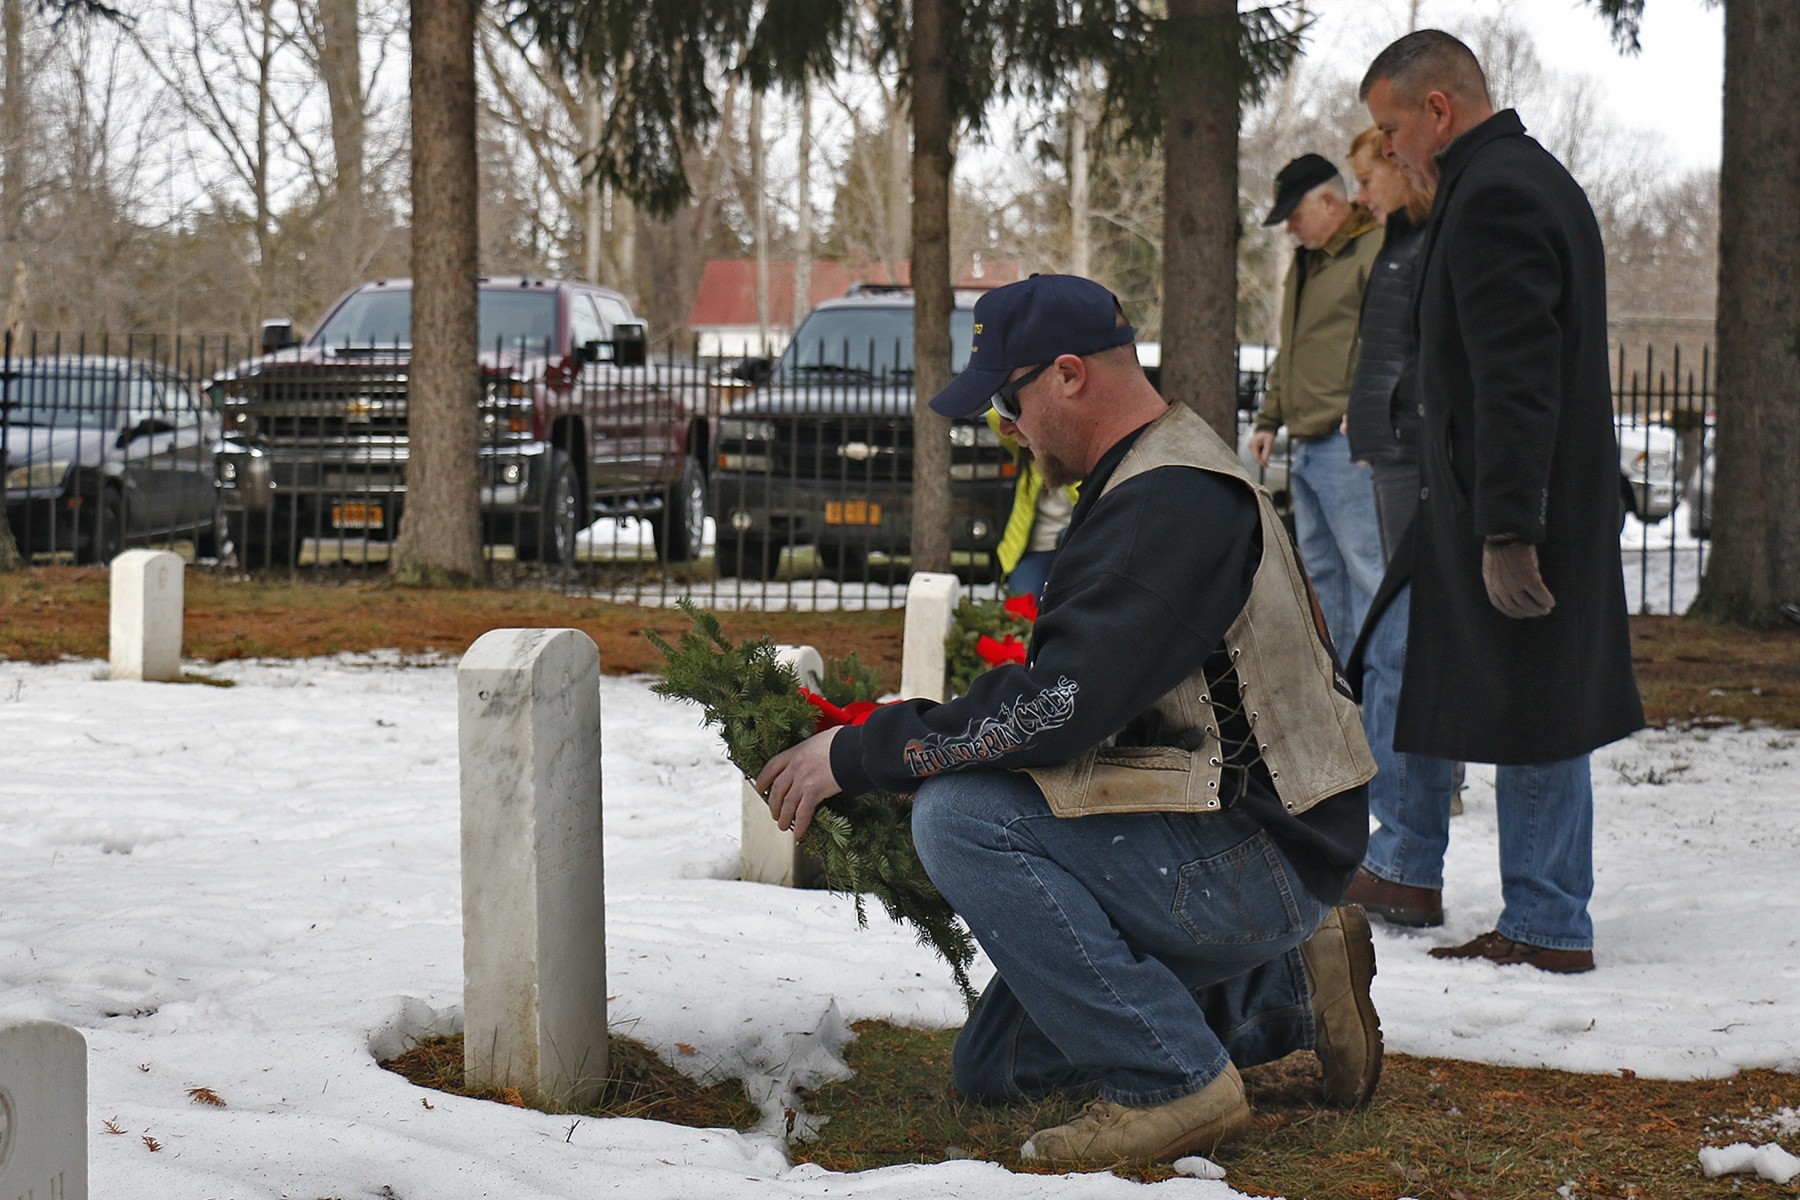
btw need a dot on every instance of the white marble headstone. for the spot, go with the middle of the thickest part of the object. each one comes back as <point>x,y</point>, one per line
<point>534,907</point>
<point>146,615</point>
<point>43,1111</point>
<point>769,854</point>
<point>930,611</point>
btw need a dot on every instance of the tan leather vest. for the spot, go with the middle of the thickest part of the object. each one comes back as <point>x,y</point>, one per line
<point>1306,729</point>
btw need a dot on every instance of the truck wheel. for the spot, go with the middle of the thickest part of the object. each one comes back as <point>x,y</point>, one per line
<point>259,539</point>
<point>745,558</point>
<point>106,532</point>
<point>681,526</point>
<point>551,538</point>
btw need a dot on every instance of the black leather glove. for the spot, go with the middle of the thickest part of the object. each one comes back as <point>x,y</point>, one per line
<point>1514,584</point>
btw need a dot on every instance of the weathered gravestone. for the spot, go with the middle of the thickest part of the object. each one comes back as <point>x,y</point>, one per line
<point>534,908</point>
<point>930,611</point>
<point>767,853</point>
<point>43,1112</point>
<point>146,615</point>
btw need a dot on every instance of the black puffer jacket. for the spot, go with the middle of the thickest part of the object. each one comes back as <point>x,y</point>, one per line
<point>1383,411</point>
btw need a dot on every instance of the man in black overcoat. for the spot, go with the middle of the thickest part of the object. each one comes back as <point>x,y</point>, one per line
<point>1518,650</point>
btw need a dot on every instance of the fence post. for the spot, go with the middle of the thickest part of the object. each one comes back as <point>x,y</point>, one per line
<point>534,906</point>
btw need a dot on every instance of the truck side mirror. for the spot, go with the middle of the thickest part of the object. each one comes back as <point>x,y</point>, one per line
<point>631,343</point>
<point>278,334</point>
<point>754,370</point>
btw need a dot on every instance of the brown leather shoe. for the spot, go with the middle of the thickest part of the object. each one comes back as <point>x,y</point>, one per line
<point>1503,950</point>
<point>1395,903</point>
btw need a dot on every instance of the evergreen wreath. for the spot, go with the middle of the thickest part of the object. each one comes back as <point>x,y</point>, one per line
<point>983,635</point>
<point>864,842</point>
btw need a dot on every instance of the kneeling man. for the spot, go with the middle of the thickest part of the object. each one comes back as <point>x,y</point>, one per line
<point>1147,825</point>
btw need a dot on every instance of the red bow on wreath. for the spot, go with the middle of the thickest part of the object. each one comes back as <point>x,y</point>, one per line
<point>1025,606</point>
<point>999,653</point>
<point>830,715</point>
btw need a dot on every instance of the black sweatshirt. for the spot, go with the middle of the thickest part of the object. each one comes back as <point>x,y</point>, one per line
<point>1148,579</point>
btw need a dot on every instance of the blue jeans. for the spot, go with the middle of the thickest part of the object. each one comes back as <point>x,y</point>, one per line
<point>1336,532</point>
<point>1029,573</point>
<point>1137,953</point>
<point>1545,812</point>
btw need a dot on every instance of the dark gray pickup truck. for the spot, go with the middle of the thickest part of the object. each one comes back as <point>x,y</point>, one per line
<point>575,424</point>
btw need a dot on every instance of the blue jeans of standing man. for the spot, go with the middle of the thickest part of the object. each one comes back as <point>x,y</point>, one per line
<point>1545,812</point>
<point>1336,532</point>
<point>1137,953</point>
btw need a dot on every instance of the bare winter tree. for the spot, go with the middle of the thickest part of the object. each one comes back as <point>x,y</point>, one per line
<point>440,531</point>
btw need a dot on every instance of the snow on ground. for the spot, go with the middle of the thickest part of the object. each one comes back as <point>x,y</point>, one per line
<point>255,889</point>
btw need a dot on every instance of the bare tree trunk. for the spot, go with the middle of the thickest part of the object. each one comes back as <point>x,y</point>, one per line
<point>933,163</point>
<point>12,204</point>
<point>1755,564</point>
<point>759,210</point>
<point>1200,216</point>
<point>803,219</point>
<point>440,533</point>
<point>1276,269</point>
<point>899,186</point>
<point>340,63</point>
<point>1081,215</point>
<point>265,72</point>
<point>593,193</point>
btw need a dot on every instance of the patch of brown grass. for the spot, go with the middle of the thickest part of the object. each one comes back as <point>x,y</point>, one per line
<point>1688,670</point>
<point>638,1084</point>
<point>1438,1129</point>
<point>56,612</point>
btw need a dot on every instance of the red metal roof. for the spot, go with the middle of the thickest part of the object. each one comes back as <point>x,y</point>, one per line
<point>727,295</point>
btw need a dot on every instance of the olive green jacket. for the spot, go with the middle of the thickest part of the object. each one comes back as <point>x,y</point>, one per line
<point>1309,382</point>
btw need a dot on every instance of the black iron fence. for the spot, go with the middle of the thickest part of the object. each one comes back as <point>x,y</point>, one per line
<point>700,478</point>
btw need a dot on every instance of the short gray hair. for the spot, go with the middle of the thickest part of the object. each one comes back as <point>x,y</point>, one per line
<point>1428,60</point>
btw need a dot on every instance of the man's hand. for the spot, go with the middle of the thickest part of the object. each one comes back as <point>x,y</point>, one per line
<point>1262,445</point>
<point>1514,585</point>
<point>798,780</point>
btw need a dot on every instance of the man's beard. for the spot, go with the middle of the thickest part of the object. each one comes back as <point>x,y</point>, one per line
<point>1056,472</point>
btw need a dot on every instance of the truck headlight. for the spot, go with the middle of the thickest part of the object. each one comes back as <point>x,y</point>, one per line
<point>970,436</point>
<point>505,422</point>
<point>38,475</point>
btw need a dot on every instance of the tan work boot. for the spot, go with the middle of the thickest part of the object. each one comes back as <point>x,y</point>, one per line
<point>1340,964</point>
<point>1108,1132</point>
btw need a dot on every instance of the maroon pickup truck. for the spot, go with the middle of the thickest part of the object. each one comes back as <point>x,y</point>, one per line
<point>575,424</point>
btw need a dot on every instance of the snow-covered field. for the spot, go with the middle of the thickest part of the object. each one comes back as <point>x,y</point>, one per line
<point>255,890</point>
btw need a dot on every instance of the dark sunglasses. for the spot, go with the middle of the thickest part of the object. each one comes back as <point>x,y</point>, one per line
<point>1006,400</point>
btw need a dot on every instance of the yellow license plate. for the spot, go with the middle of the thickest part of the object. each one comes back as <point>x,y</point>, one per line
<point>852,512</point>
<point>356,516</point>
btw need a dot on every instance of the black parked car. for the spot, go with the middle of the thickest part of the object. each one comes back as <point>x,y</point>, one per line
<point>99,452</point>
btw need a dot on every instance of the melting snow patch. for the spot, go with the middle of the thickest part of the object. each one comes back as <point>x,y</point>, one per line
<point>1741,1158</point>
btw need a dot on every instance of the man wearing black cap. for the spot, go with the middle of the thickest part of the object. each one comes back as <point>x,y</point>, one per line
<point>1145,825</point>
<point>1309,388</point>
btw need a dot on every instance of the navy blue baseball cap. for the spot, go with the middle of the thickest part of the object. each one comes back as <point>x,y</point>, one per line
<point>1024,324</point>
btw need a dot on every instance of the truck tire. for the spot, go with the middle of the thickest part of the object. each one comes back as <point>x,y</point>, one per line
<point>106,532</point>
<point>550,536</point>
<point>681,526</point>
<point>745,558</point>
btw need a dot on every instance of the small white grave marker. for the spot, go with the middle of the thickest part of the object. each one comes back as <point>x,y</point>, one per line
<point>146,615</point>
<point>43,1111</point>
<point>769,854</point>
<point>534,907</point>
<point>930,611</point>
